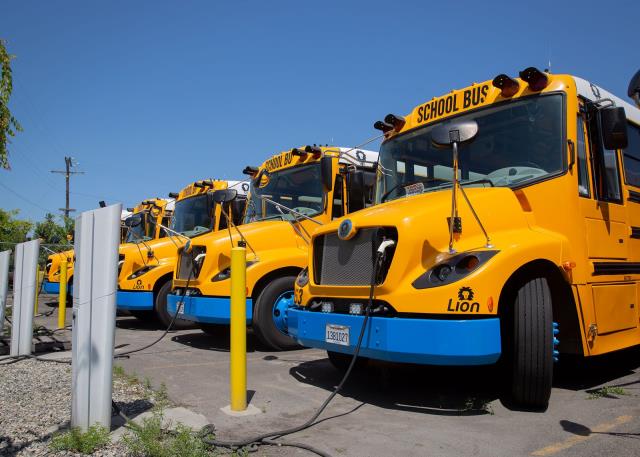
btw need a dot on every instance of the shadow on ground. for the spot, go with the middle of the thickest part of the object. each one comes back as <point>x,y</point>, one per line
<point>443,391</point>
<point>453,391</point>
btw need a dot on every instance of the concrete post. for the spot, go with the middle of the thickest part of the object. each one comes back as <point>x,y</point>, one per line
<point>97,236</point>
<point>4,285</point>
<point>24,294</point>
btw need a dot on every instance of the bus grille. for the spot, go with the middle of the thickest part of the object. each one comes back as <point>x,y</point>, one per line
<point>349,262</point>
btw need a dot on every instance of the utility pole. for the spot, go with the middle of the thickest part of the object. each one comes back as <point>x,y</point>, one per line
<point>68,162</point>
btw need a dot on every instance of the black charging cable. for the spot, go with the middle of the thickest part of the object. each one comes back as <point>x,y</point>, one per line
<point>270,438</point>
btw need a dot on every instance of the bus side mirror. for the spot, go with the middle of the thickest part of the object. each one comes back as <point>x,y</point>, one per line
<point>133,221</point>
<point>224,195</point>
<point>613,123</point>
<point>326,170</point>
<point>357,191</point>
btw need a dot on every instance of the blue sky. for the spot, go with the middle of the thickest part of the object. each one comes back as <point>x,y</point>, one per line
<point>149,96</point>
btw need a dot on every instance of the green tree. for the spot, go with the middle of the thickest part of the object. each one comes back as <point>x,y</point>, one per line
<point>8,124</point>
<point>13,230</point>
<point>50,231</point>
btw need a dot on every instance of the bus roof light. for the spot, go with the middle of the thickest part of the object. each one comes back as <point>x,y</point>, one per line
<point>299,152</point>
<point>536,79</point>
<point>173,194</point>
<point>383,126</point>
<point>250,171</point>
<point>315,150</point>
<point>396,121</point>
<point>508,86</point>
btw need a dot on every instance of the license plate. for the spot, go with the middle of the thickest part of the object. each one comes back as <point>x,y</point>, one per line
<point>180,306</point>
<point>337,334</point>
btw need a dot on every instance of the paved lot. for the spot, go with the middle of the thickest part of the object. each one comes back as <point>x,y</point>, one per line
<point>393,409</point>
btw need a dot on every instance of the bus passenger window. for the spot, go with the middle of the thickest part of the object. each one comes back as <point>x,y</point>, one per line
<point>583,175</point>
<point>631,157</point>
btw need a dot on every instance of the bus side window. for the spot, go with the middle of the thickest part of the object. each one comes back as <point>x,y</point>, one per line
<point>631,157</point>
<point>338,205</point>
<point>166,221</point>
<point>584,187</point>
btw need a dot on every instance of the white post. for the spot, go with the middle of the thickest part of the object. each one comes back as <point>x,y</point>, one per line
<point>24,296</point>
<point>4,285</point>
<point>97,237</point>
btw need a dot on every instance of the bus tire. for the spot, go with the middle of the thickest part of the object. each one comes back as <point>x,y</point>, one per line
<point>264,314</point>
<point>163,314</point>
<point>341,361</point>
<point>531,345</point>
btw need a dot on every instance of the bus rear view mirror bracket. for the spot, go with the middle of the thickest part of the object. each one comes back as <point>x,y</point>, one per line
<point>453,134</point>
<point>613,123</point>
<point>224,195</point>
<point>326,171</point>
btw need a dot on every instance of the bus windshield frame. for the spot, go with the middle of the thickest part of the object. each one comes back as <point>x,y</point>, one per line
<point>519,142</point>
<point>298,188</point>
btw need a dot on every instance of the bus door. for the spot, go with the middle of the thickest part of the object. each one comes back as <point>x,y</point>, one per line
<point>610,288</point>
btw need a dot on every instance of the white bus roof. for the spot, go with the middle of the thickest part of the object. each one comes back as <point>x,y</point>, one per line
<point>241,186</point>
<point>360,157</point>
<point>593,92</point>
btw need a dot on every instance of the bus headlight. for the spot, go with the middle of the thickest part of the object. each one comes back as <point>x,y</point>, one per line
<point>226,273</point>
<point>303,278</point>
<point>141,271</point>
<point>453,269</point>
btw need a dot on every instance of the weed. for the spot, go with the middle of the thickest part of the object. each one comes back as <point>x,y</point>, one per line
<point>607,392</point>
<point>151,439</point>
<point>75,440</point>
<point>147,383</point>
<point>118,371</point>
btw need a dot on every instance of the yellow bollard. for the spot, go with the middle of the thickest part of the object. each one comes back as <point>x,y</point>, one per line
<point>238,369</point>
<point>62,295</point>
<point>38,285</point>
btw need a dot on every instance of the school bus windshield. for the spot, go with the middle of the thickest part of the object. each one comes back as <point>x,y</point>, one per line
<point>297,188</point>
<point>141,231</point>
<point>193,216</point>
<point>518,143</point>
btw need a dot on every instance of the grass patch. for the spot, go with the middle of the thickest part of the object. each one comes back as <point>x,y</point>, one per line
<point>478,404</point>
<point>152,438</point>
<point>607,392</point>
<point>76,440</point>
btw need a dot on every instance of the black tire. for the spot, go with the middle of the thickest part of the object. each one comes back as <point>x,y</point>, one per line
<point>163,314</point>
<point>263,324</point>
<point>341,361</point>
<point>530,345</point>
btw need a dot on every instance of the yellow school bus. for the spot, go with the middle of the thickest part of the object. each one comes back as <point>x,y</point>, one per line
<point>51,284</point>
<point>506,228</point>
<point>290,195</point>
<point>146,266</point>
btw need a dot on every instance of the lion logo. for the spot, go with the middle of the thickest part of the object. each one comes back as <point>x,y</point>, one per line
<point>465,294</point>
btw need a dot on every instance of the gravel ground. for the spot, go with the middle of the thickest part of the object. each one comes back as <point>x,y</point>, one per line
<point>35,401</point>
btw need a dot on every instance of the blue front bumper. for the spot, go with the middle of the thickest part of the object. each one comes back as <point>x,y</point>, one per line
<point>423,341</point>
<point>50,287</point>
<point>134,301</point>
<point>53,288</point>
<point>207,310</point>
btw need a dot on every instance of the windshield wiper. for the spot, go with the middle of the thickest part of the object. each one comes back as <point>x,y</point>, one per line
<point>462,183</point>
<point>293,212</point>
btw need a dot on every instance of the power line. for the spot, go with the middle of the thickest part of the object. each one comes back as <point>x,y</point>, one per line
<point>25,198</point>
